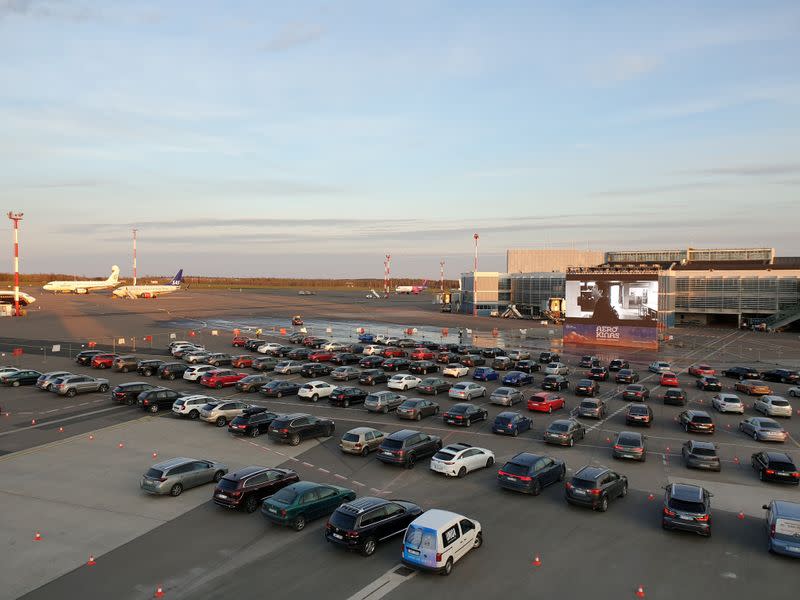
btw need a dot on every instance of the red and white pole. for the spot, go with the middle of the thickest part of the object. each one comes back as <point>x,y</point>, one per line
<point>16,217</point>
<point>387,266</point>
<point>441,275</point>
<point>475,280</point>
<point>134,257</point>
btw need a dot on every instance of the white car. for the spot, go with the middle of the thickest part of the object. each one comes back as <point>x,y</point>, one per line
<point>773,406</point>
<point>402,382</point>
<point>178,343</point>
<point>314,390</point>
<point>380,339</point>
<point>556,368</point>
<point>729,403</point>
<point>456,460</point>
<point>189,406</point>
<point>659,366</point>
<point>436,539</point>
<point>195,373</point>
<point>455,370</point>
<point>7,370</point>
<point>794,392</point>
<point>466,390</point>
<point>372,349</point>
<point>186,349</point>
<point>391,341</point>
<point>268,347</point>
<point>288,367</point>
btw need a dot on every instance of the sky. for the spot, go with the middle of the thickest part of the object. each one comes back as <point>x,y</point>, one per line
<point>310,139</point>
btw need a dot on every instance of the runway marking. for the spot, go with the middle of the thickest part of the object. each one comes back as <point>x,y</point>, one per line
<point>384,584</point>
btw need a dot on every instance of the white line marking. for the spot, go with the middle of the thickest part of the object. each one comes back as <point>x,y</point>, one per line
<point>340,476</point>
<point>357,483</point>
<point>307,464</point>
<point>81,415</point>
<point>382,585</point>
<point>323,470</point>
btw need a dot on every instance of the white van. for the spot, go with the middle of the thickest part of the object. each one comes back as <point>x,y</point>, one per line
<point>437,539</point>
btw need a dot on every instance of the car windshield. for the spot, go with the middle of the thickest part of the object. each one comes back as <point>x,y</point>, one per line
<point>674,393</point>
<point>209,406</point>
<point>410,404</point>
<point>711,380</point>
<point>350,437</point>
<point>588,404</point>
<point>781,466</point>
<point>392,444</point>
<point>251,378</point>
<point>154,473</point>
<point>343,520</point>
<point>373,398</point>
<point>429,381</point>
<point>704,451</point>
<point>701,419</point>
<point>515,468</point>
<point>502,392</point>
<point>584,484</point>
<point>768,425</point>
<point>629,440</point>
<point>284,496</point>
<point>458,409</point>
<point>240,420</point>
<point>179,403</point>
<point>227,484</point>
<point>420,538</point>
<point>502,420</point>
<point>442,455</point>
<point>686,505</point>
<point>585,382</point>
<point>558,427</point>
<point>780,403</point>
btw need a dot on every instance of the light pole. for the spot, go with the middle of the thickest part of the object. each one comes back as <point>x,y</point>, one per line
<point>387,266</point>
<point>16,217</point>
<point>134,256</point>
<point>475,279</point>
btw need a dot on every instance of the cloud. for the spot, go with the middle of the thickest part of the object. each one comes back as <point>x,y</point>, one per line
<point>657,189</point>
<point>624,68</point>
<point>294,34</point>
<point>753,170</point>
<point>77,183</point>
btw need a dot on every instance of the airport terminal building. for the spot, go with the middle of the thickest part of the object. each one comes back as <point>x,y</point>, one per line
<point>731,286</point>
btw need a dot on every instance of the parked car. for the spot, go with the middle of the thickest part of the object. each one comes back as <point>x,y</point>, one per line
<point>252,422</point>
<point>127,393</point>
<point>278,388</point>
<point>702,370</point>
<point>421,354</point>
<point>782,523</point>
<point>195,373</point>
<point>707,383</point>
<point>549,357</point>
<point>296,427</point>
<point>315,370</point>
<point>631,445</point>
<point>598,373</point>
<point>433,385</point>
<point>727,403</point>
<point>587,387</point>
<point>588,361</point>
<point>248,487</point>
<point>659,366</point>
<point>438,538</point>
<point>527,366</point>
<point>455,370</point>
<point>21,377</point>
<point>502,363</point>
<point>383,401</point>
<point>595,487</point>
<point>403,382</point>
<point>518,378</point>
<point>252,383</point>
<point>218,359</point>
<point>245,361</point>
<point>546,402</point>
<point>506,396</point>
<point>556,368</point>
<point>687,507</point>
<point>220,378</point>
<point>406,446</point>
<point>253,344</point>
<point>485,374</point>
<point>72,385</point>
<point>220,413</point>
<point>238,341</point>
<point>511,423</point>
<point>700,455</point>
<point>773,406</point>
<point>763,429</point>
<point>373,377</point>
<point>456,460</point>
<point>85,357</point>
<point>345,396</point>
<point>530,473</point>
<point>775,466</point>
<point>392,352</point>
<point>125,363</point>
<point>626,376</point>
<point>288,367</point>
<point>618,364</point>
<point>448,357</point>
<point>781,376</point>
<point>45,380</point>
<point>103,361</point>
<point>314,390</point>
<point>592,408</point>
<point>668,379</point>
<point>417,408</point>
<point>465,390</point>
<point>190,406</point>
<point>361,440</point>
<point>300,502</point>
<point>172,370</point>
<point>473,360</point>
<point>674,396</point>
<point>555,382</point>
<point>741,373</point>
<point>148,367</point>
<point>464,414</point>
<point>753,387</point>
<point>696,421</point>
<point>635,392</point>
<point>423,367</point>
<point>639,414</point>
<point>564,432</point>
<point>299,354</point>
<point>516,355</point>
<point>262,363</point>
<point>178,474</point>
<point>346,358</point>
<point>794,392</point>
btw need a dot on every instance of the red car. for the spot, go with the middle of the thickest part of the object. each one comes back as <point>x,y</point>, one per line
<point>320,356</point>
<point>393,352</point>
<point>309,341</point>
<point>422,354</point>
<point>242,361</point>
<point>220,378</point>
<point>701,370</point>
<point>546,402</point>
<point>669,379</point>
<point>239,341</point>
<point>103,361</point>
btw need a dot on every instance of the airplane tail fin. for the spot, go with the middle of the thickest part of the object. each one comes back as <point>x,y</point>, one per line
<point>178,279</point>
<point>424,283</point>
<point>114,277</point>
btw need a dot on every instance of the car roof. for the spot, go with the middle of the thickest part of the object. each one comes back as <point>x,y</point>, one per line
<point>702,444</point>
<point>508,414</point>
<point>173,462</point>
<point>360,505</point>
<point>402,434</point>
<point>778,456</point>
<point>436,518</point>
<point>291,416</point>
<point>361,429</point>
<point>784,508</point>
<point>686,491</point>
<point>590,472</point>
<point>246,472</point>
<point>561,422</point>
<point>457,447</point>
<point>696,413</point>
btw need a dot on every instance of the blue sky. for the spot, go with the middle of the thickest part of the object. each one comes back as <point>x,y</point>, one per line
<point>312,138</point>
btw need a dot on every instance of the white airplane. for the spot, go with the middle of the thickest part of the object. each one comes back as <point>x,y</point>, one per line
<point>7,297</point>
<point>84,287</point>
<point>150,291</point>
<point>411,289</point>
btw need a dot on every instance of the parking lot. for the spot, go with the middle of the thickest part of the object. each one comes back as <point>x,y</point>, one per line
<point>82,494</point>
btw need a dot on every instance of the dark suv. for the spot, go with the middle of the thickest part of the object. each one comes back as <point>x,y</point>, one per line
<point>247,487</point>
<point>300,426</point>
<point>253,422</point>
<point>595,487</point>
<point>775,466</point>
<point>687,507</point>
<point>404,447</point>
<point>172,370</point>
<point>781,375</point>
<point>85,357</point>
<point>127,393</point>
<point>157,399</point>
<point>741,373</point>
<point>530,473</point>
<point>148,367</point>
<point>696,421</point>
<point>359,525</point>
<point>675,396</point>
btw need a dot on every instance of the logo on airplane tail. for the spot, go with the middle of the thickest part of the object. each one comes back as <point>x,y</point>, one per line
<point>178,279</point>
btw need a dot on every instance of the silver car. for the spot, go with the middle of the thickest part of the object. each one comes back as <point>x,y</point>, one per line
<point>466,390</point>
<point>289,367</point>
<point>46,379</point>
<point>506,396</point>
<point>556,368</point>
<point>178,474</point>
<point>725,402</point>
<point>383,401</point>
<point>763,429</point>
<point>592,408</point>
<point>196,357</point>
<point>220,413</point>
<point>773,406</point>
<point>73,385</point>
<point>345,373</point>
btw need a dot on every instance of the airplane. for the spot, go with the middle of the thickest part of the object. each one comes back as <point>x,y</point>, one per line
<point>150,291</point>
<point>83,287</point>
<point>411,289</point>
<point>7,297</point>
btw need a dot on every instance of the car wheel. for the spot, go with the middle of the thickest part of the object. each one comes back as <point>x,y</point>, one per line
<point>176,490</point>
<point>217,476</point>
<point>154,408</point>
<point>448,567</point>
<point>761,474</point>
<point>515,433</point>
<point>478,542</point>
<point>571,442</point>
<point>315,397</point>
<point>603,504</point>
<point>221,421</point>
<point>130,401</point>
<point>410,462</point>
<point>15,384</point>
<point>385,410</point>
<point>294,440</point>
<point>254,432</point>
<point>369,547</point>
<point>219,385</point>
<point>194,414</point>
<point>489,462</point>
<point>279,395</point>
<point>172,376</point>
<point>624,491</point>
<point>462,472</point>
<point>469,422</point>
<point>536,488</point>
<point>550,410</point>
<point>147,372</point>
<point>299,523</point>
<point>102,388</point>
<point>793,394</point>
<point>418,417</point>
<point>563,474</point>
<point>71,392</point>
<point>365,451</point>
<point>755,435</point>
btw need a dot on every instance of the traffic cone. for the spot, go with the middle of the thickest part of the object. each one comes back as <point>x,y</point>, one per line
<point>33,421</point>
<point>640,592</point>
<point>60,430</point>
<point>91,562</point>
<point>537,562</point>
<point>608,440</point>
<point>736,460</point>
<point>667,449</point>
<point>650,496</point>
<point>155,454</point>
<point>91,437</point>
<point>741,516</point>
<point>120,445</point>
<point>37,537</point>
<point>159,593</point>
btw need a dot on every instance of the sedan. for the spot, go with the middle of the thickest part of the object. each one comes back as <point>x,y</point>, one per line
<point>781,376</point>
<point>564,432</point>
<point>288,367</point>
<point>618,364</point>
<point>773,406</point>
<point>669,379</point>
<point>423,367</point>
<point>466,391</point>
<point>506,396</point>
<point>636,392</point>
<point>252,383</point>
<point>556,368</point>
<point>587,387</point>
<point>421,354</point>
<point>371,362</point>
<point>708,383</point>
<point>626,376</point>
<point>447,358</point>
<point>433,385</point>
<point>279,388</point>
<point>555,382</point>
<point>592,409</point>
<point>456,460</point>
<point>345,396</point>
<point>345,373</point>
<point>527,366</point>
<point>464,414</point>
<point>639,414</point>
<point>417,408</point>
<point>727,403</point>
<point>264,363</point>
<point>753,387</point>
<point>700,455</point>
<point>473,360</point>
<point>455,370</point>
<point>373,377</point>
<point>702,370</point>
<point>775,466</point>
<point>485,374</point>
<point>21,377</point>
<point>631,445</point>
<point>598,373</point>
<point>393,352</point>
<point>345,358</point>
<point>763,429</point>
<point>396,364</point>
<point>511,423</point>
<point>696,421</point>
<point>546,402</point>
<point>295,505</point>
<point>403,382</point>
<point>518,378</point>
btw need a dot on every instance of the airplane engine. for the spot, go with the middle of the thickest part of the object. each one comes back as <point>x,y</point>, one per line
<point>81,291</point>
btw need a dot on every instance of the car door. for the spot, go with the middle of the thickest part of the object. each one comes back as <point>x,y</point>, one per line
<point>546,466</point>
<point>302,427</point>
<point>182,474</point>
<point>202,472</point>
<point>476,459</point>
<point>612,484</point>
<point>395,521</point>
<point>309,504</point>
<point>329,500</point>
<point>466,539</point>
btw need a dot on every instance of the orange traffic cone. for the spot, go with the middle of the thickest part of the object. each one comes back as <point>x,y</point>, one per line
<point>159,593</point>
<point>741,516</point>
<point>640,592</point>
<point>155,454</point>
<point>60,430</point>
<point>37,537</point>
<point>33,421</point>
<point>91,562</point>
<point>120,445</point>
<point>537,562</point>
<point>651,496</point>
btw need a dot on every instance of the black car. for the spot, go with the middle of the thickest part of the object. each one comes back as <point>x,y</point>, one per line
<point>404,447</point>
<point>252,383</point>
<point>21,377</point>
<point>511,423</point>
<point>781,376</point>
<point>741,373</point>
<point>433,385</point>
<point>448,357</point>
<point>492,352</point>
<point>587,387</point>
<point>472,360</point>
<point>345,396</point>
<point>371,362</point>
<point>464,350</point>
<point>359,525</point>
<point>527,366</point>
<point>687,507</point>
<point>172,370</point>
<point>626,376</point>
<point>148,367</point>
<point>409,343</point>
<point>253,344</point>
<point>299,354</point>
<point>373,376</point>
<point>423,367</point>
<point>157,398</point>
<point>299,426</point>
<point>598,373</point>
<point>595,487</point>
<point>253,422</point>
<point>639,414</point>
<point>636,392</point>
<point>464,414</point>
<point>345,358</point>
<point>618,364</point>
<point>775,466</point>
<point>315,369</point>
<point>709,383</point>
<point>128,393</point>
<point>278,388</point>
<point>282,352</point>
<point>548,357</point>
<point>696,421</point>
<point>248,487</point>
<point>297,337</point>
<point>555,383</point>
<point>564,432</point>
<point>395,364</point>
<point>530,473</point>
<point>587,362</point>
<point>265,363</point>
<point>85,357</point>
<point>675,396</point>
<point>700,455</point>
